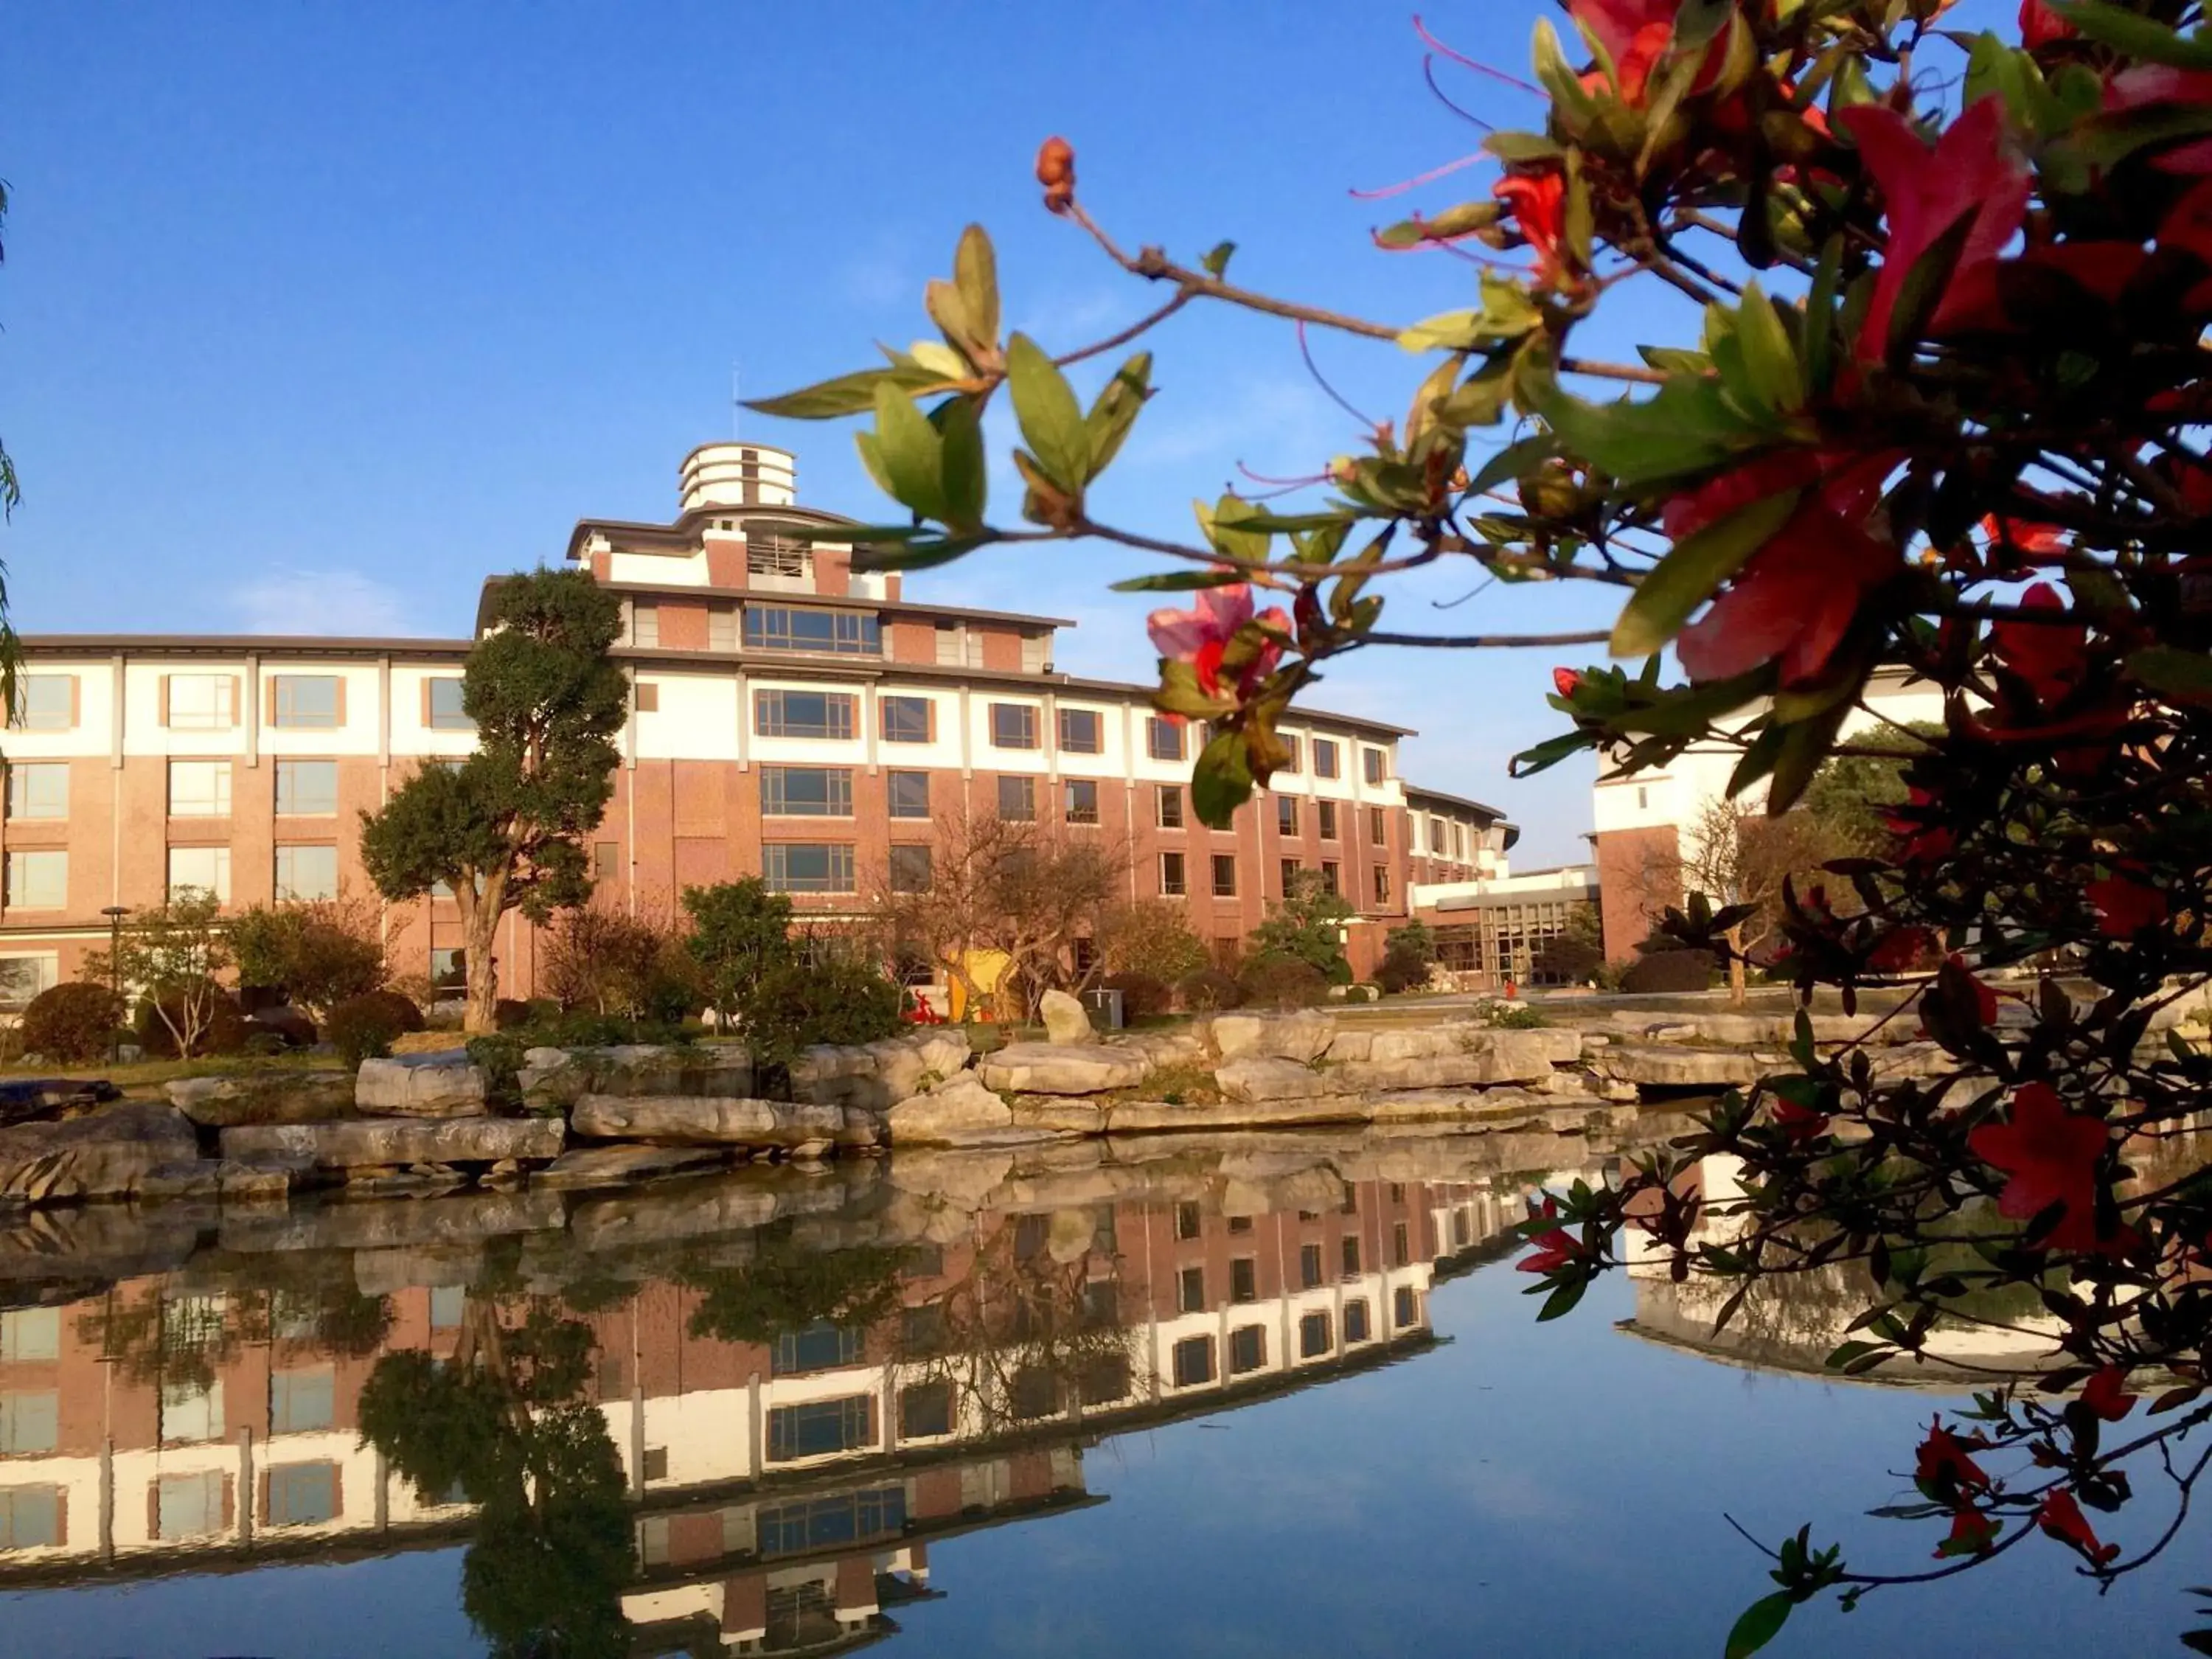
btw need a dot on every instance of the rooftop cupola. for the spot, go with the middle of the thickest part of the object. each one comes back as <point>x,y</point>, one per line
<point>734,474</point>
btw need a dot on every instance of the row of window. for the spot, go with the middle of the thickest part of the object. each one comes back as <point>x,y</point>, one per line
<point>197,789</point>
<point>210,702</point>
<point>183,1506</point>
<point>37,878</point>
<point>1244,1275</point>
<point>1192,1360</point>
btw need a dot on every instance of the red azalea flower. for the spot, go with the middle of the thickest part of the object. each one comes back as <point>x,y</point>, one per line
<point>1564,680</point>
<point>1635,34</point>
<point>2061,1517</point>
<point>2105,1395</point>
<point>2039,25</point>
<point>2053,660</point>
<point>2149,84</point>
<point>1198,636</point>
<point>1942,1462</point>
<point>1972,1533</point>
<point>1555,1247</point>
<point>1900,950</point>
<point>2050,1155</point>
<point>1799,1122</point>
<point>1538,202</point>
<point>1794,600</point>
<point>2024,534</point>
<point>2124,906</point>
<point>1919,842</point>
<point>1973,169</point>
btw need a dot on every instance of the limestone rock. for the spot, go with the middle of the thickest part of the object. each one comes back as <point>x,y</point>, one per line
<point>705,1120</point>
<point>1668,1066</point>
<point>1303,1035</point>
<point>222,1103</point>
<point>1352,1043</point>
<point>1264,1078</point>
<point>957,1110</point>
<point>24,1100</point>
<point>958,1181</point>
<point>1065,1021</point>
<point>401,1140</point>
<point>877,1075</point>
<point>102,1154</point>
<point>1045,1068</point>
<point>445,1085</point>
<point>618,1166</point>
<point>1059,1116</point>
<point>1155,1117</point>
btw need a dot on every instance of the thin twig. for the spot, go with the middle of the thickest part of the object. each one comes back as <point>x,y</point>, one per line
<point>1151,320</point>
<point>1487,641</point>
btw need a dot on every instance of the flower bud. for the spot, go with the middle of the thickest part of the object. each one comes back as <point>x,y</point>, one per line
<point>1055,171</point>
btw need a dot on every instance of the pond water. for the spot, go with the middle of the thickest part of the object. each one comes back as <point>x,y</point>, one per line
<point>1278,1395</point>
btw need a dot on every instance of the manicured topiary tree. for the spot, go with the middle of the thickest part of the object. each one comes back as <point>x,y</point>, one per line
<point>1936,405</point>
<point>505,829</point>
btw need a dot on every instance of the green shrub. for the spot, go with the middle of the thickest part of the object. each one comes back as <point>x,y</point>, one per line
<point>1514,1019</point>
<point>1402,971</point>
<point>1210,991</point>
<point>841,999</point>
<point>1281,981</point>
<point>400,1011</point>
<point>1363,992</point>
<point>500,1056</point>
<point>362,1027</point>
<point>1142,996</point>
<point>508,1013</point>
<point>71,1024</point>
<point>1669,970</point>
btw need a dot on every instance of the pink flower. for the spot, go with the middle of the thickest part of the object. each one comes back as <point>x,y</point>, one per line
<point>2039,25</point>
<point>1973,169</point>
<point>2149,84</point>
<point>1200,635</point>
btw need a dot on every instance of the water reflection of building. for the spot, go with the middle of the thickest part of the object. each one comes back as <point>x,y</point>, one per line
<point>785,1493</point>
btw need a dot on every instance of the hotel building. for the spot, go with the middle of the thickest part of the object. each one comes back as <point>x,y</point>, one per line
<point>791,718</point>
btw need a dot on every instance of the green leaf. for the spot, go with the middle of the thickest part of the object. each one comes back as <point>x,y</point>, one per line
<point>911,454</point>
<point>1562,1300</point>
<point>1511,147</point>
<point>1179,693</point>
<point>854,533</point>
<point>848,394</point>
<point>1768,355</point>
<point>1177,582</point>
<point>1507,313</point>
<point>1689,427</point>
<point>1676,361</point>
<point>1693,572</point>
<point>1820,315</point>
<point>1114,412</point>
<point>2184,675</point>
<point>2110,139</point>
<point>918,555</point>
<point>2134,34</point>
<point>1051,420</point>
<point>1292,524</point>
<point>1222,780</point>
<point>1548,753</point>
<point>966,482</point>
<point>1229,526</point>
<point>1761,1623</point>
<point>1805,748</point>
<point>1517,460</point>
<point>1216,259</point>
<point>1481,399</point>
<point>976,274</point>
<point>948,309</point>
<point>1924,285</point>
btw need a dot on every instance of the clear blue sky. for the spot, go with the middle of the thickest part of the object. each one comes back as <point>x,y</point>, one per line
<point>315,315</point>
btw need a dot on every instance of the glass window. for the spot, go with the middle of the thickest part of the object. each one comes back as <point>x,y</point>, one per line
<point>306,700</point>
<point>202,869</point>
<point>301,1402</point>
<point>199,789</point>
<point>1351,1248</point>
<point>38,880</point>
<point>1225,875</point>
<point>789,628</point>
<point>816,1526</point>
<point>1377,763</point>
<point>1190,1291</point>
<point>30,1334</point>
<point>1290,876</point>
<point>777,558</point>
<point>1308,1266</point>
<point>1247,1349</point>
<point>802,714</point>
<point>202,703</point>
<point>1355,1322</point>
<point>1287,814</point>
<point>1329,871</point>
<point>911,868</point>
<point>306,788</point>
<point>1378,833</point>
<point>606,861</point>
<point>1168,809</point>
<point>1325,818</point>
<point>1382,885</point>
<point>303,1494</point>
<point>806,792</point>
<point>38,789</point>
<point>188,1505</point>
<point>443,696</point>
<point>30,1517</point>
<point>447,1303</point>
<point>1325,758</point>
<point>45,702</point>
<point>1313,1335</point>
<point>1292,746</point>
<point>1163,739</point>
<point>908,794</point>
<point>1018,798</point>
<point>1401,1245</point>
<point>644,623</point>
<point>29,1422</point>
<point>306,872</point>
<point>906,720</point>
<point>820,1347</point>
<point>1081,731</point>
<point>1014,726</point>
<point>1082,801</point>
<point>1405,1308</point>
<point>1243,1279</point>
<point>1187,1220</point>
<point>821,1427</point>
<point>807,867</point>
<point>1194,1361</point>
<point>1171,875</point>
<point>924,1411</point>
<point>448,968</point>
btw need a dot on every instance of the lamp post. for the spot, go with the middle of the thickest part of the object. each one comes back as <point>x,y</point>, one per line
<point>115,913</point>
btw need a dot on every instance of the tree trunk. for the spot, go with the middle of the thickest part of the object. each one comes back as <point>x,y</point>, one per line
<point>1738,988</point>
<point>479,932</point>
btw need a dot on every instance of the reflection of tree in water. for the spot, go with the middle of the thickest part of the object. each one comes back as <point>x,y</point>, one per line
<point>1027,1332</point>
<point>180,1338</point>
<point>504,1425</point>
<point>787,1287</point>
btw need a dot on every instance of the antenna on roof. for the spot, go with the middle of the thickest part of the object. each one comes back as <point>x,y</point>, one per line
<point>734,405</point>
